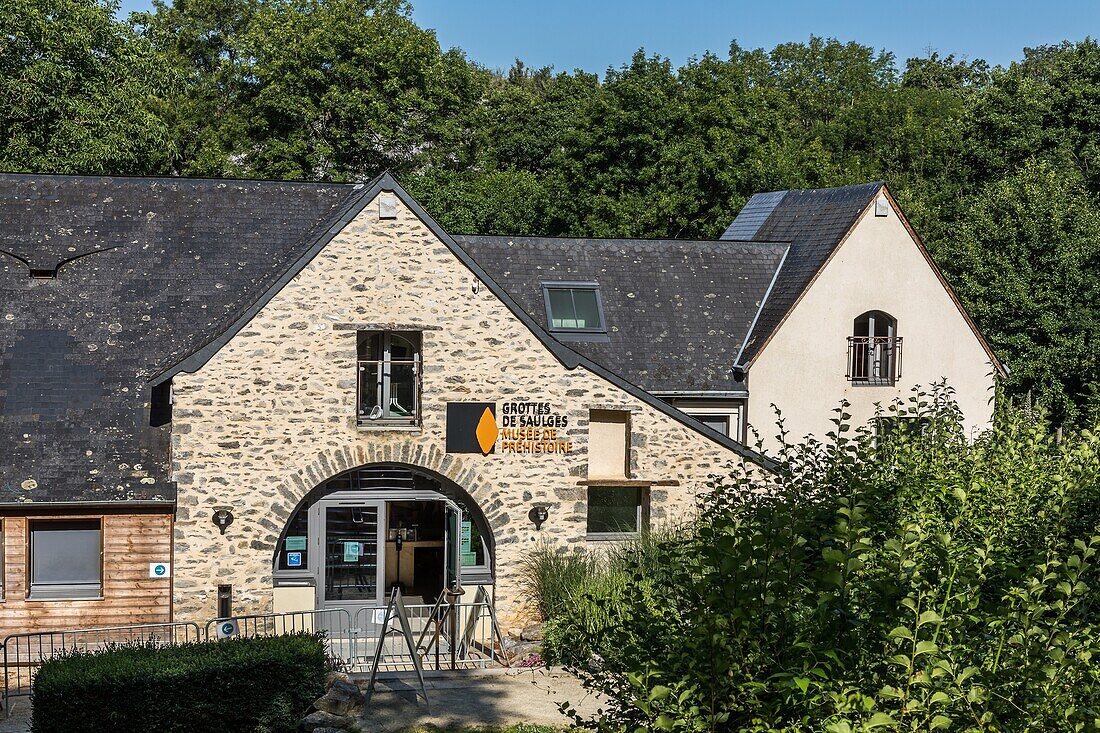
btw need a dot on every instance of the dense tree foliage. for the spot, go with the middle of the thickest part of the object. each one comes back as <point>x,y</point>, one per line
<point>999,168</point>
<point>80,92</point>
<point>918,583</point>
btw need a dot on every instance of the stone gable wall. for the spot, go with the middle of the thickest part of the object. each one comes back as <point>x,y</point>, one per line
<point>272,415</point>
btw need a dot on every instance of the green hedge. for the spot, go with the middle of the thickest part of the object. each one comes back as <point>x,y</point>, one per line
<point>262,685</point>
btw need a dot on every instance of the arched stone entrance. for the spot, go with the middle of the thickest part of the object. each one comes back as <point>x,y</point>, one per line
<point>354,537</point>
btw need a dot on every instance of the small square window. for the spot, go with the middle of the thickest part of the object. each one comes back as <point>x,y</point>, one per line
<point>66,559</point>
<point>574,308</point>
<point>615,511</point>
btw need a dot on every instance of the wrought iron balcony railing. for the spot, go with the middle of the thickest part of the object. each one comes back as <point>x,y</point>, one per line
<point>874,360</point>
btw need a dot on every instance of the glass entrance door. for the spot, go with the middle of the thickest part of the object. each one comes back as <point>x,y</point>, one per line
<point>352,536</point>
<point>450,544</point>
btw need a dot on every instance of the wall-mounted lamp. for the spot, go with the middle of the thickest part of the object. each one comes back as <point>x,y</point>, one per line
<point>476,286</point>
<point>223,518</point>
<point>538,515</point>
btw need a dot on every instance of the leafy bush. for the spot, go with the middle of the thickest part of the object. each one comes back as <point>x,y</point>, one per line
<point>572,589</point>
<point>261,685</point>
<point>916,582</point>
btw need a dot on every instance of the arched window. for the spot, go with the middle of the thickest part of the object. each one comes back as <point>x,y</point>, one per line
<point>874,349</point>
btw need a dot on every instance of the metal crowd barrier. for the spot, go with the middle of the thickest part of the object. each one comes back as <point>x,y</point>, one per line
<point>24,653</point>
<point>335,623</point>
<point>469,630</point>
<point>445,636</point>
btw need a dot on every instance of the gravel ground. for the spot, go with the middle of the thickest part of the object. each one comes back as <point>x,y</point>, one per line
<point>477,699</point>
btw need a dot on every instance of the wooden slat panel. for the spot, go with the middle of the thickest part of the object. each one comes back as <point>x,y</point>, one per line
<point>130,596</point>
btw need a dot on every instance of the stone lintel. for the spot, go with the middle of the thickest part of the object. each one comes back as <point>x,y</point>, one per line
<point>388,326</point>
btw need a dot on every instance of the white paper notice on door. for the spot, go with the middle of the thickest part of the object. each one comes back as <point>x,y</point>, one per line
<point>351,552</point>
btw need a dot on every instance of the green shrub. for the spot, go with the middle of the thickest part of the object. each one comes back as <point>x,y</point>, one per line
<point>260,685</point>
<point>574,590</point>
<point>914,583</point>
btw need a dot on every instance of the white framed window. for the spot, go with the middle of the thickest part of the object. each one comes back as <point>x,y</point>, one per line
<point>574,310</point>
<point>616,512</point>
<point>66,558</point>
<point>389,378</point>
<point>718,422</point>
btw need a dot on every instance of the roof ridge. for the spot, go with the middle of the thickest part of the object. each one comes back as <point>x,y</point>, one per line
<point>202,179</point>
<point>754,242</point>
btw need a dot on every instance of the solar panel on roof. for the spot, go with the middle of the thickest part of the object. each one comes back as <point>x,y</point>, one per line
<point>753,215</point>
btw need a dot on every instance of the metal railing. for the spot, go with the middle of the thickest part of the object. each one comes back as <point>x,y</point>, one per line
<point>24,653</point>
<point>459,635</point>
<point>334,623</point>
<point>464,635</point>
<point>380,382</point>
<point>874,359</point>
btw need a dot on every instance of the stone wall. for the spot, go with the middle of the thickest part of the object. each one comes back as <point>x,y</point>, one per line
<point>272,415</point>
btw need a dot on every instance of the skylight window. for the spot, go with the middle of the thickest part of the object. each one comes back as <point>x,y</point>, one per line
<point>574,309</point>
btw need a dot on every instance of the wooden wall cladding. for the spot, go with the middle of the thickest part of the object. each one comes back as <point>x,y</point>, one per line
<point>130,543</point>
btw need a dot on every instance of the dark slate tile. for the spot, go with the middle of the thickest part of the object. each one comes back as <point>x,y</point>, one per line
<point>170,264</point>
<point>814,221</point>
<point>677,311</point>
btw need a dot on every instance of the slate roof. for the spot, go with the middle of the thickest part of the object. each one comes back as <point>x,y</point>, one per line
<point>169,264</point>
<point>676,311</point>
<point>153,273</point>
<point>814,221</point>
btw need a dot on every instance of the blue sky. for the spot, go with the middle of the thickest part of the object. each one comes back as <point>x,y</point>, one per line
<point>595,34</point>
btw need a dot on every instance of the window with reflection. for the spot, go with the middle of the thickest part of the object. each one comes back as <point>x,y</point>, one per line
<point>389,378</point>
<point>574,308</point>
<point>614,511</point>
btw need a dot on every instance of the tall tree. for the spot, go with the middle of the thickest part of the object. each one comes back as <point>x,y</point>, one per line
<point>1025,257</point>
<point>80,92</point>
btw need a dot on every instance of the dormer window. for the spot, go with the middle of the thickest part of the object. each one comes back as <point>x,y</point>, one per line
<point>874,350</point>
<point>574,311</point>
<point>389,378</point>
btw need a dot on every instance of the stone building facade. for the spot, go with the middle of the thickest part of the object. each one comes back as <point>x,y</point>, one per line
<point>242,397</point>
<point>272,414</point>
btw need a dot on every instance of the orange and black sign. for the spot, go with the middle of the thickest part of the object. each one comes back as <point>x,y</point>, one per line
<point>471,427</point>
<point>523,427</point>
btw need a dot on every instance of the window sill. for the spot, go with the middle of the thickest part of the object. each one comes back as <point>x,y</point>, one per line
<point>374,427</point>
<point>610,536</point>
<point>596,337</point>
<point>872,384</point>
<point>51,599</point>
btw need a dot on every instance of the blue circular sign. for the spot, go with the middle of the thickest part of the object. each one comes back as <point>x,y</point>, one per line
<point>159,570</point>
<point>227,628</point>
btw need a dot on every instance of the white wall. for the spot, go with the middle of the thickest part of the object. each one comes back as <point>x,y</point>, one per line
<point>879,267</point>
